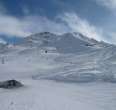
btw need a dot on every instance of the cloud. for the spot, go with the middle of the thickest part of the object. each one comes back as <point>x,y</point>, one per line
<point>77,24</point>
<point>67,22</point>
<point>29,24</point>
<point>111,37</point>
<point>110,4</point>
<point>2,41</point>
<point>23,27</point>
<point>12,26</point>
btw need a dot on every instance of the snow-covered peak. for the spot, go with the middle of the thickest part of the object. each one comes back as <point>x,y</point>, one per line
<point>53,37</point>
<point>65,43</point>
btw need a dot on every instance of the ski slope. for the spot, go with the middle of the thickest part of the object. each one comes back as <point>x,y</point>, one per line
<point>75,73</point>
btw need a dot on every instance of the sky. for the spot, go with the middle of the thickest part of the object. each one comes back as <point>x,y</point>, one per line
<point>93,18</point>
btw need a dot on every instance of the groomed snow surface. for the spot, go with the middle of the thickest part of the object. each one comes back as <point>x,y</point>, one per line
<point>49,95</point>
<point>41,94</point>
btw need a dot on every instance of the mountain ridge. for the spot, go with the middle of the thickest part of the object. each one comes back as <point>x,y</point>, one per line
<point>64,43</point>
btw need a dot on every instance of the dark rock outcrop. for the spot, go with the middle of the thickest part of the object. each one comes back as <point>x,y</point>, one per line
<point>9,84</point>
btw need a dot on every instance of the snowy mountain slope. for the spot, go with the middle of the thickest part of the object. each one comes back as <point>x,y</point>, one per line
<point>83,68</point>
<point>66,43</point>
<point>69,57</point>
<point>83,59</point>
<point>44,58</point>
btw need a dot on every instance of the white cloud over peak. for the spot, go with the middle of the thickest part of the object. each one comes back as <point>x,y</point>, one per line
<point>78,24</point>
<point>12,26</point>
<point>23,27</point>
<point>71,22</point>
<point>110,4</point>
<point>67,22</point>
